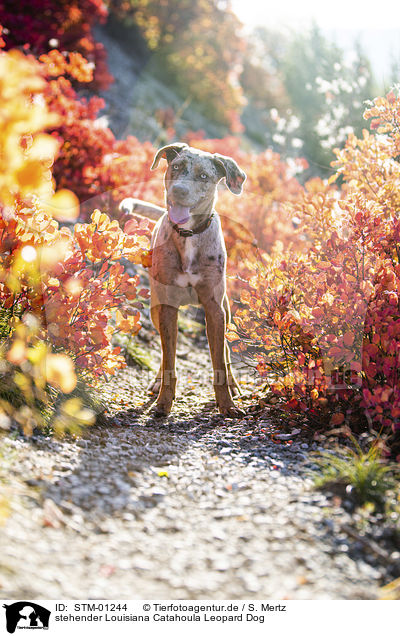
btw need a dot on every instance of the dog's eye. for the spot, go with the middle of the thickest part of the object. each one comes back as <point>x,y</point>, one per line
<point>175,167</point>
<point>204,176</point>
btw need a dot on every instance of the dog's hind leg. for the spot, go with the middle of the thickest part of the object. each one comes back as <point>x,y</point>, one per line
<point>232,383</point>
<point>155,385</point>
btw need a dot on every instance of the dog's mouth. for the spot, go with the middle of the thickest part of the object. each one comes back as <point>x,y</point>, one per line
<point>178,214</point>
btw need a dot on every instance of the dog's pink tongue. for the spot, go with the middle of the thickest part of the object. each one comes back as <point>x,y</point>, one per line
<point>178,214</point>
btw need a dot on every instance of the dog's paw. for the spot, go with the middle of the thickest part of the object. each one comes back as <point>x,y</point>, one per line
<point>158,411</point>
<point>234,390</point>
<point>230,410</point>
<point>162,410</point>
<point>164,404</point>
<point>154,386</point>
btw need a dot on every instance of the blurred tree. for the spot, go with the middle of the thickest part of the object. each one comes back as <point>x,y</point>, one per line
<point>160,21</point>
<point>261,77</point>
<point>262,83</point>
<point>394,70</point>
<point>197,48</point>
<point>304,94</point>
<point>326,92</point>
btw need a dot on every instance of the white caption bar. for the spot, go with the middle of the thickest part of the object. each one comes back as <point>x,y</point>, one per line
<point>87,617</point>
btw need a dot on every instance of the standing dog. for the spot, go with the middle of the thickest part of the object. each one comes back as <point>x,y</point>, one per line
<point>189,262</point>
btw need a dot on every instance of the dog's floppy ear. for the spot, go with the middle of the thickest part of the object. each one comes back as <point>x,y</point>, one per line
<point>234,176</point>
<point>168,153</point>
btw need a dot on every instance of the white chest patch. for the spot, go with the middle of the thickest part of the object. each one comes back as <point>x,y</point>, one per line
<point>188,265</point>
<point>188,256</point>
<point>184,280</point>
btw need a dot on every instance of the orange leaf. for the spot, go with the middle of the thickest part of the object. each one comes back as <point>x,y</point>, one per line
<point>337,418</point>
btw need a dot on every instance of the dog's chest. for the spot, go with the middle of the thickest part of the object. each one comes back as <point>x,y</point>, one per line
<point>190,257</point>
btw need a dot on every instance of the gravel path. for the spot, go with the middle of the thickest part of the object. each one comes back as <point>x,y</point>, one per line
<point>184,507</point>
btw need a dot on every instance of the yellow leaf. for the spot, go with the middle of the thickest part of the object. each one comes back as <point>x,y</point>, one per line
<point>43,147</point>
<point>391,591</point>
<point>63,205</point>
<point>72,406</point>
<point>17,353</point>
<point>37,353</point>
<point>60,372</point>
<point>5,510</point>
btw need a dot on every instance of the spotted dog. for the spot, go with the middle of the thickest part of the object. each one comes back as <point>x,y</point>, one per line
<point>189,262</point>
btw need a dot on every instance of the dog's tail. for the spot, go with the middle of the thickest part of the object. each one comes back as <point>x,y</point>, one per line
<point>141,208</point>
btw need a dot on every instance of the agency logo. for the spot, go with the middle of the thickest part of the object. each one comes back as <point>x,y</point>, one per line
<point>26,615</point>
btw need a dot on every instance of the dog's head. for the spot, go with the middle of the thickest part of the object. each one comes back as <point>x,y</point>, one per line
<point>192,177</point>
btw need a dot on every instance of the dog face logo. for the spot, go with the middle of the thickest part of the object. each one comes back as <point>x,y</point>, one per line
<point>26,615</point>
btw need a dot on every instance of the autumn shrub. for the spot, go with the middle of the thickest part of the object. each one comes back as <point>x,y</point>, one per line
<point>62,294</point>
<point>26,155</point>
<point>381,349</point>
<point>91,162</point>
<point>321,316</point>
<point>39,26</point>
<point>97,167</point>
<point>188,42</point>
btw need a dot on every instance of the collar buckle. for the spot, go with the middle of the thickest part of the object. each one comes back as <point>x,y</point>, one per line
<point>183,232</point>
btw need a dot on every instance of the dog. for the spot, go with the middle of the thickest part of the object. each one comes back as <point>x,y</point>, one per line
<point>189,263</point>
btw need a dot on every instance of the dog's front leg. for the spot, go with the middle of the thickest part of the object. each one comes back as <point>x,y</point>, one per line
<point>168,325</point>
<point>215,320</point>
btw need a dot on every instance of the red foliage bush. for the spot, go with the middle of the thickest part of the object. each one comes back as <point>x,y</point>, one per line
<point>62,294</point>
<point>100,169</point>
<point>41,25</point>
<point>315,271</point>
<point>321,315</point>
<point>381,349</point>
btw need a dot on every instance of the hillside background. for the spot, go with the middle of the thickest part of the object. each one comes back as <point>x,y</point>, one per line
<point>205,74</point>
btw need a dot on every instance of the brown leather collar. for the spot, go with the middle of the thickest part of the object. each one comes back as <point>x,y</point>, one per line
<point>197,230</point>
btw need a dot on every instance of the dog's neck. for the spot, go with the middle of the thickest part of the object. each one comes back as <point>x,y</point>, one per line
<point>199,214</point>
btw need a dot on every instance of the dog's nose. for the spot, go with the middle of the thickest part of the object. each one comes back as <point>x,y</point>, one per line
<point>180,190</point>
